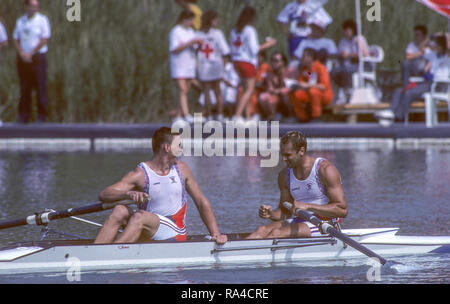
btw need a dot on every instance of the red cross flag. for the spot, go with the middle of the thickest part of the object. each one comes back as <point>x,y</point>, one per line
<point>440,6</point>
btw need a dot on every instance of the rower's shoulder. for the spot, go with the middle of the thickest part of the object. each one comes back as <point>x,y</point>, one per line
<point>135,176</point>
<point>183,167</point>
<point>325,164</point>
<point>327,169</point>
<point>138,171</point>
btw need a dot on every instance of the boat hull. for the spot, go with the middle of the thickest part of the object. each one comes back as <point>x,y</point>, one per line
<point>66,256</point>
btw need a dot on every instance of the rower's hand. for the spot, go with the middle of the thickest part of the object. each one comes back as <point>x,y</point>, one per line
<point>220,239</point>
<point>299,206</point>
<point>265,211</point>
<point>138,197</point>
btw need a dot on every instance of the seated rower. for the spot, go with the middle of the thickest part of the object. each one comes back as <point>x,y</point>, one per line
<point>310,184</point>
<point>161,186</point>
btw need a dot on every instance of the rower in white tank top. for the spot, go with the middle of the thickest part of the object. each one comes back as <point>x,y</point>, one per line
<point>168,202</point>
<point>310,191</point>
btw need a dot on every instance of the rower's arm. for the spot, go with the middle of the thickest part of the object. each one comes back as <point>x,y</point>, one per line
<point>202,203</point>
<point>281,212</point>
<point>126,188</point>
<point>337,206</point>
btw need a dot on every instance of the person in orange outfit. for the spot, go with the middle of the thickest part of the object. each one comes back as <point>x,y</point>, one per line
<point>314,88</point>
<point>252,111</point>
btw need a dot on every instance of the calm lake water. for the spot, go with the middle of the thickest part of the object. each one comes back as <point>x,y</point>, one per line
<point>384,188</point>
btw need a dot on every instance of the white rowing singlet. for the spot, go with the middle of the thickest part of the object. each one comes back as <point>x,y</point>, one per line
<point>168,194</point>
<point>310,190</point>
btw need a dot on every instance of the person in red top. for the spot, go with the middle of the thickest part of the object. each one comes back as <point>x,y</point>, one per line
<point>314,88</point>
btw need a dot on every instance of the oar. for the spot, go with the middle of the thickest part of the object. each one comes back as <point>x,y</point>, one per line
<point>43,218</point>
<point>329,229</point>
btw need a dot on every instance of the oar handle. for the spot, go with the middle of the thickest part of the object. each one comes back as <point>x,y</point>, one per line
<point>107,206</point>
<point>305,215</point>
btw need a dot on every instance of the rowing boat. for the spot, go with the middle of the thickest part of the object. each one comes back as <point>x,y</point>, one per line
<point>62,255</point>
<point>84,255</point>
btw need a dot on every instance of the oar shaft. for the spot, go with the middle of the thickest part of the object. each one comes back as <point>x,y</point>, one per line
<point>13,223</point>
<point>352,243</point>
<point>44,218</point>
<point>75,211</point>
<point>337,234</point>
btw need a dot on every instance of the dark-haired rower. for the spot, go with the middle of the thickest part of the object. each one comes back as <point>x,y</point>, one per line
<point>161,186</point>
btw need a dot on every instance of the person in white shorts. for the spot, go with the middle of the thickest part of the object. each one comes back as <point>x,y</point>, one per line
<point>310,184</point>
<point>183,46</point>
<point>161,186</point>
<point>229,87</point>
<point>245,47</point>
<point>211,62</point>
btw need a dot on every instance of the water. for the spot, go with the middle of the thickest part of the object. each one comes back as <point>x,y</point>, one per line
<point>384,188</point>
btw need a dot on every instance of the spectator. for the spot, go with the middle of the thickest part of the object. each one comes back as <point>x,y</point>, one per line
<point>252,111</point>
<point>244,52</point>
<point>230,87</point>
<point>183,45</point>
<point>314,88</point>
<point>348,59</point>
<point>275,99</point>
<point>437,68</point>
<point>210,61</point>
<point>293,21</point>
<point>415,62</point>
<point>31,34</point>
<point>324,47</point>
<point>191,5</point>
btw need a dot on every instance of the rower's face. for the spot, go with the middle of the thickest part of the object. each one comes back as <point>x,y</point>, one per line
<point>176,147</point>
<point>291,156</point>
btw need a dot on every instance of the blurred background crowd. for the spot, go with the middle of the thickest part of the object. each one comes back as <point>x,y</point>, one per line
<point>156,61</point>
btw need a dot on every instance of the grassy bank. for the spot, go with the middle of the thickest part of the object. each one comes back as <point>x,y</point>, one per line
<point>113,66</point>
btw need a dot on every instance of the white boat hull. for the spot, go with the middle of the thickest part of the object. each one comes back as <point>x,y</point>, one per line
<point>86,257</point>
